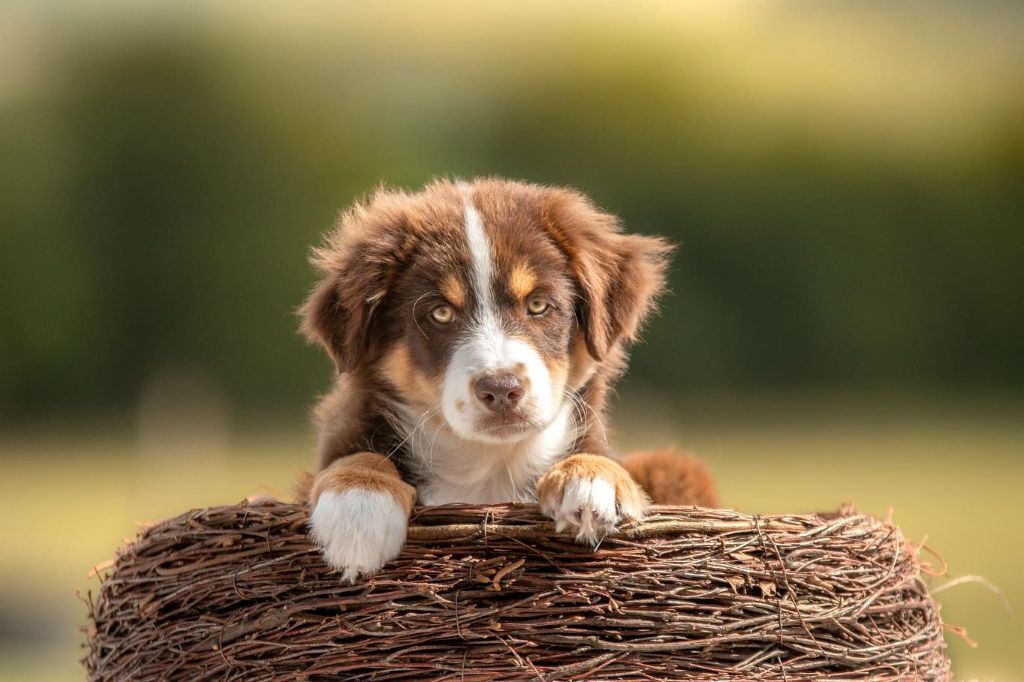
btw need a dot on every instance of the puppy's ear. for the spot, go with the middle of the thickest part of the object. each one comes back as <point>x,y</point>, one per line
<point>619,276</point>
<point>358,262</point>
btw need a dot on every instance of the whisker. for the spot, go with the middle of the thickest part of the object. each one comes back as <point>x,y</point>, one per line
<point>597,417</point>
<point>430,450</point>
<point>414,320</point>
<point>577,421</point>
<point>419,424</point>
<point>512,481</point>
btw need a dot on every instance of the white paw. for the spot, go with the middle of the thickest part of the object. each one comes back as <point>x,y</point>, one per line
<point>588,506</point>
<point>358,530</point>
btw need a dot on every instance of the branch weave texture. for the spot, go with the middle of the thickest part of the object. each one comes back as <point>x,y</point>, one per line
<point>482,593</point>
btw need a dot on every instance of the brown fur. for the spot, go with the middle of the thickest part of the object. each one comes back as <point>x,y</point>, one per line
<point>620,275</point>
<point>672,477</point>
<point>361,260</point>
<point>368,258</point>
<point>367,471</point>
<point>396,255</point>
<point>401,373</point>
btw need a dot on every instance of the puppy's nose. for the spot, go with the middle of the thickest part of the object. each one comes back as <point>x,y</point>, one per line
<point>499,392</point>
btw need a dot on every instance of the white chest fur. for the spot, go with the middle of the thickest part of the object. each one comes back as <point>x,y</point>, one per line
<point>453,470</point>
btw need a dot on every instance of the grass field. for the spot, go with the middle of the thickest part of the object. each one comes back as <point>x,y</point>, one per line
<point>950,471</point>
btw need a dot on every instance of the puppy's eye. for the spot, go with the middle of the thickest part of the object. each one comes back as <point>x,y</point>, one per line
<point>442,314</point>
<point>537,306</point>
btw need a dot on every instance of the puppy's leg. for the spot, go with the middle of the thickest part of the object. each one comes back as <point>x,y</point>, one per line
<point>672,477</point>
<point>359,513</point>
<point>590,494</point>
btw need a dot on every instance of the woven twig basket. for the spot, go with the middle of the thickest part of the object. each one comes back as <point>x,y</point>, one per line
<point>482,593</point>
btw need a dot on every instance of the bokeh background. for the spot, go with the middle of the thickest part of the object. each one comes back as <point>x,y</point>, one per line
<point>847,317</point>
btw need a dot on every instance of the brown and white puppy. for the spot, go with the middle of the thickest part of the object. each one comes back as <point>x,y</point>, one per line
<point>477,329</point>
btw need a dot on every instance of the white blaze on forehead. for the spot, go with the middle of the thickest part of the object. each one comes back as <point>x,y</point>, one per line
<point>482,351</point>
<point>488,348</point>
<point>480,254</point>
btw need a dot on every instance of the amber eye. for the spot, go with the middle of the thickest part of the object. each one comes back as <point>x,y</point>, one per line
<point>443,314</point>
<point>537,306</point>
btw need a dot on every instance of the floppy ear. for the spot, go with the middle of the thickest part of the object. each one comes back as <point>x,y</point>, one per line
<point>358,263</point>
<point>619,275</point>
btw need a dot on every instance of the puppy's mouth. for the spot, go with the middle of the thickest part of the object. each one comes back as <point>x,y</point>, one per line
<point>507,426</point>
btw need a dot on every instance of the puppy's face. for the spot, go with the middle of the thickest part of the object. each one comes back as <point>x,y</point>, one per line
<point>482,329</point>
<point>484,303</point>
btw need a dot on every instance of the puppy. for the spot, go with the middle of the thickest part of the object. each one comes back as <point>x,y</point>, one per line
<point>477,329</point>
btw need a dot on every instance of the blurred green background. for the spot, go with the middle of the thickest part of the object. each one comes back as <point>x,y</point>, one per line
<point>847,317</point>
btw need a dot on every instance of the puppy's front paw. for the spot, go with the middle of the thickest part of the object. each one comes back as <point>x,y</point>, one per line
<point>589,495</point>
<point>359,530</point>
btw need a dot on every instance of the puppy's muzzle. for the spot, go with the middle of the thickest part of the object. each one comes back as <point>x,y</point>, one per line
<point>500,393</point>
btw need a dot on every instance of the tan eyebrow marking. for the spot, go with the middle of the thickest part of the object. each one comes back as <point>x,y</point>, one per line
<point>453,290</point>
<point>522,281</point>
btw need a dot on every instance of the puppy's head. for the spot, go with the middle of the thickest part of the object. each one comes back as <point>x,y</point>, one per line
<point>484,302</point>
